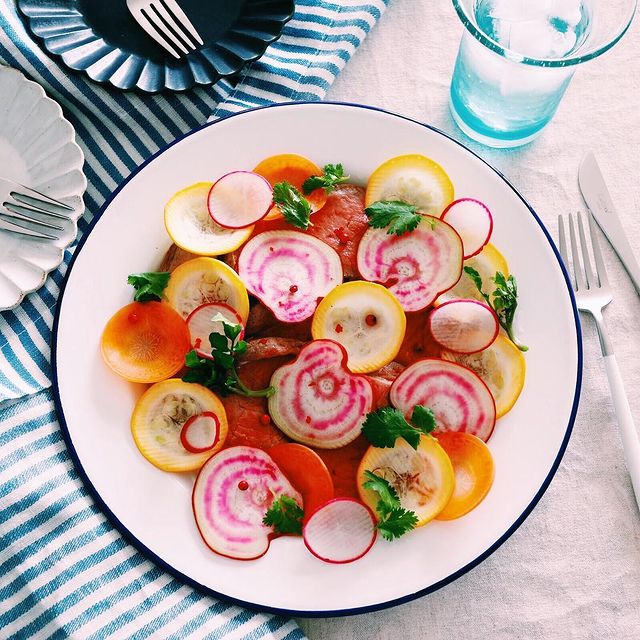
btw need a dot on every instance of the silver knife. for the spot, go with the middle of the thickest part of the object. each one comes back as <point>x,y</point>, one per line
<point>596,195</point>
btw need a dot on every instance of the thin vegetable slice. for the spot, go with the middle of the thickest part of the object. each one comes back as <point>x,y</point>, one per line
<point>473,469</point>
<point>231,495</point>
<point>417,266</point>
<point>200,433</point>
<point>317,401</point>
<point>188,223</point>
<point>203,280</point>
<point>473,222</point>
<point>294,169</point>
<point>341,531</point>
<point>486,263</point>
<point>423,477</point>
<point>464,326</point>
<point>145,342</point>
<point>306,471</point>
<point>459,399</point>
<point>239,199</point>
<point>159,418</point>
<point>209,318</point>
<point>366,319</point>
<point>501,366</point>
<point>289,271</point>
<point>414,179</point>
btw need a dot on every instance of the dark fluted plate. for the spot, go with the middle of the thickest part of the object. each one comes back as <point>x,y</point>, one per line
<point>101,39</point>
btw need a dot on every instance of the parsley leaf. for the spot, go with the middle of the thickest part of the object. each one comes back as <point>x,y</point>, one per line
<point>284,515</point>
<point>394,520</point>
<point>295,208</point>
<point>332,175</point>
<point>505,300</point>
<point>149,286</point>
<point>220,374</point>
<point>383,427</point>
<point>399,217</point>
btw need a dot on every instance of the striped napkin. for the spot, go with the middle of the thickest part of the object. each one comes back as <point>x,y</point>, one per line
<point>65,572</point>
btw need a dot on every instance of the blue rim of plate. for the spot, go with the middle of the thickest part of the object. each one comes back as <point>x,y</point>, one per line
<point>295,612</point>
<point>65,32</point>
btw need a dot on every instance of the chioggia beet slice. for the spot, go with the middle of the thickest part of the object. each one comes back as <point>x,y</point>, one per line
<point>459,399</point>
<point>231,495</point>
<point>318,401</point>
<point>289,271</point>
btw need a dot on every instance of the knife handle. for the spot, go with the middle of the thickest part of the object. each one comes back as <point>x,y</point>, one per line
<point>628,432</point>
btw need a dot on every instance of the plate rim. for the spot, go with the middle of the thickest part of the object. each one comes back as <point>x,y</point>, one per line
<point>142,548</point>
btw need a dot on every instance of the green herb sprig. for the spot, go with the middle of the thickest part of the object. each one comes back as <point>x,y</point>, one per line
<point>394,520</point>
<point>149,286</point>
<point>396,216</point>
<point>332,175</point>
<point>220,374</point>
<point>284,515</point>
<point>295,208</point>
<point>383,427</point>
<point>505,300</point>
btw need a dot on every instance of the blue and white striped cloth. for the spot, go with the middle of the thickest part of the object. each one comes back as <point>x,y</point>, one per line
<point>65,572</point>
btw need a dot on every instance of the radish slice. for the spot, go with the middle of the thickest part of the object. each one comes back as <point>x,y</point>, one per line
<point>417,266</point>
<point>473,221</point>
<point>231,495</point>
<point>289,271</point>
<point>239,199</point>
<point>200,433</point>
<point>460,400</point>
<point>317,400</point>
<point>464,326</point>
<point>201,324</point>
<point>340,531</point>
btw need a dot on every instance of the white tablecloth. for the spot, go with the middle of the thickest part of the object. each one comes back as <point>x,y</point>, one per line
<point>572,570</point>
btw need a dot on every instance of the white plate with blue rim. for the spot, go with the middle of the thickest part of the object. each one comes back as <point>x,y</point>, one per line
<point>153,508</point>
<point>37,149</point>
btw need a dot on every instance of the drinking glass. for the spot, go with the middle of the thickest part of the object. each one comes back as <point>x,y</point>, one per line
<point>517,57</point>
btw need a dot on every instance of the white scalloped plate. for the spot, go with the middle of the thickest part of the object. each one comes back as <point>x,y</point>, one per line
<point>38,149</point>
<point>154,508</point>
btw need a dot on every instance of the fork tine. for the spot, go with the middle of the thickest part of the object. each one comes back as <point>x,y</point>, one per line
<point>161,28</point>
<point>577,268</point>
<point>13,215</point>
<point>153,31</point>
<point>171,24</point>
<point>26,202</point>
<point>597,253</point>
<point>23,229</point>
<point>586,261</point>
<point>182,17</point>
<point>562,241</point>
<point>39,197</point>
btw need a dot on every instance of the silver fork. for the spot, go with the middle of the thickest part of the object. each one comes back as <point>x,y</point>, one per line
<point>30,213</point>
<point>593,294</point>
<point>167,24</point>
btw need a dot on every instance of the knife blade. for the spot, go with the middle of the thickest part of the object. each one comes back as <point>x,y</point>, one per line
<point>597,197</point>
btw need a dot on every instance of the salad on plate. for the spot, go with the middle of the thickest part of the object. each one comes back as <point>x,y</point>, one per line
<point>329,360</point>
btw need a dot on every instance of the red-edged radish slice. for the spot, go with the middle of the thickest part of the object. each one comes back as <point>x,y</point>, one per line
<point>460,400</point>
<point>289,271</point>
<point>340,531</point>
<point>239,199</point>
<point>473,221</point>
<point>231,495</point>
<point>464,326</point>
<point>417,266</point>
<point>200,433</point>
<point>318,401</point>
<point>201,324</point>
